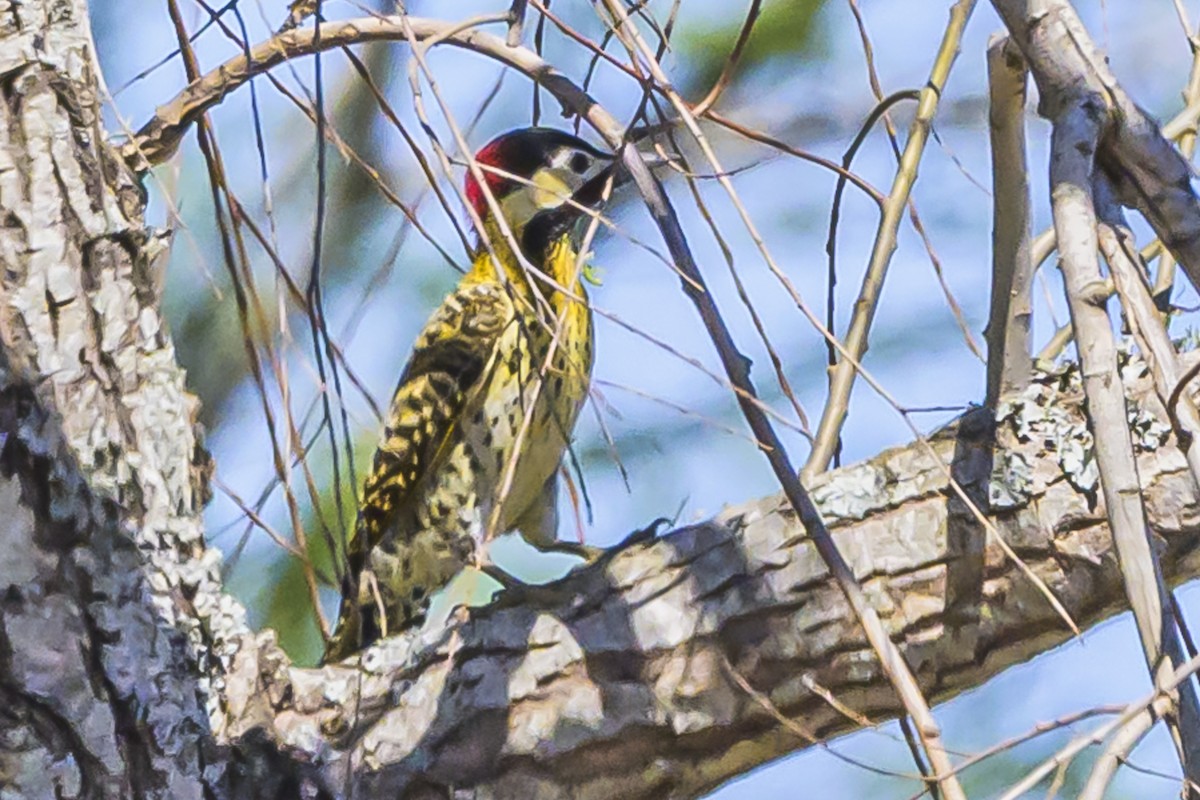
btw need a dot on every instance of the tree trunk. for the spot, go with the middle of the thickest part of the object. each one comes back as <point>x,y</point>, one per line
<point>126,672</point>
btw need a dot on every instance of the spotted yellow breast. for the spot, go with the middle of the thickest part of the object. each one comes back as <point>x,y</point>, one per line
<point>522,423</point>
<point>476,432</point>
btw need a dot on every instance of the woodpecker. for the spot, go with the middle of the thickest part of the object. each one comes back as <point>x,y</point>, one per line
<point>490,393</point>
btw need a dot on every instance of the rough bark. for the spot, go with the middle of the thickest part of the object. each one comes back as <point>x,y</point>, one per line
<point>125,672</point>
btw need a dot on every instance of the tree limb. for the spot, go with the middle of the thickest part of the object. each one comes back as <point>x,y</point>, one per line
<point>1148,172</point>
<point>125,671</point>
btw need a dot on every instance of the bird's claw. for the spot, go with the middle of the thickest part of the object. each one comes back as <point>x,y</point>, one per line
<point>643,535</point>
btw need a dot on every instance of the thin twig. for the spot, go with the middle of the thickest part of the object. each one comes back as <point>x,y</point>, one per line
<point>1080,743</point>
<point>731,62</point>
<point>737,367</point>
<point>842,379</point>
<point>233,254</point>
<point>1115,752</point>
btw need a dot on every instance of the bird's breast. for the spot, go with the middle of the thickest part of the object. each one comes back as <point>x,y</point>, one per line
<point>523,421</point>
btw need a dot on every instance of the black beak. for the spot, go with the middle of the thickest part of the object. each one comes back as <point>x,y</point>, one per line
<point>591,193</point>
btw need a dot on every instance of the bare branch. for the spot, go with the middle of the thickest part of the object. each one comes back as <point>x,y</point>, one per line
<point>1073,146</point>
<point>1010,361</point>
<point>1120,746</point>
<point>1133,719</point>
<point>158,138</point>
<point>1148,172</point>
<point>841,380</point>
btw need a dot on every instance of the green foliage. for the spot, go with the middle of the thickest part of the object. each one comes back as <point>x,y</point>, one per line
<point>784,30</point>
<point>287,600</point>
<point>289,610</point>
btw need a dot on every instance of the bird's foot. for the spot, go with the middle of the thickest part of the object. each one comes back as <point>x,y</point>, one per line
<point>558,592</point>
<point>506,579</point>
<point>516,592</point>
<point>592,554</point>
<point>642,535</point>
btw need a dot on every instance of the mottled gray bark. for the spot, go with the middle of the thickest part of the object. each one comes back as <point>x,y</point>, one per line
<point>125,672</point>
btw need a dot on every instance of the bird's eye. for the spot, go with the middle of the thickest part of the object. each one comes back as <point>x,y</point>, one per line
<point>579,163</point>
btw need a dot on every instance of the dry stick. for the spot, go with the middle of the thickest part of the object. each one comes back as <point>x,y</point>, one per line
<point>220,186</point>
<point>1060,778</point>
<point>914,750</point>
<point>1148,172</point>
<point>1079,743</point>
<point>755,318</point>
<point>737,367</point>
<point>1037,730</point>
<point>293,441</point>
<point>835,212</point>
<point>1116,751</point>
<point>731,63</point>
<point>913,215</point>
<point>159,137</point>
<point>270,247</point>
<point>799,730</point>
<point>782,146</point>
<point>1010,365</point>
<point>1072,162</point>
<point>842,378</point>
<point>1187,146</point>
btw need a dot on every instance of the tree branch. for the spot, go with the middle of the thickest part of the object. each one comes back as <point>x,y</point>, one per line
<point>125,671</point>
<point>611,682</point>
<point>159,137</point>
<point>1010,361</point>
<point>1148,172</point>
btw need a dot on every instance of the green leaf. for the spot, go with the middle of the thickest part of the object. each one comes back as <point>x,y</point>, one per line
<point>784,29</point>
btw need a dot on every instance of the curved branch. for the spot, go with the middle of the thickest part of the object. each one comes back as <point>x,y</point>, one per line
<point>156,140</point>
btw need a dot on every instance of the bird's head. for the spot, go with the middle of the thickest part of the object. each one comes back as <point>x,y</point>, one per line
<point>542,180</point>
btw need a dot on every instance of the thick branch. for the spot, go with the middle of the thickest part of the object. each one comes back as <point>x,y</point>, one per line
<point>1146,169</point>
<point>619,687</point>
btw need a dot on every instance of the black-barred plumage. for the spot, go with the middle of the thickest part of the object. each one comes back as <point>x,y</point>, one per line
<point>475,401</point>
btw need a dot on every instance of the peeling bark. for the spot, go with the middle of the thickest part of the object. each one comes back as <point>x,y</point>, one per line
<point>126,672</point>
